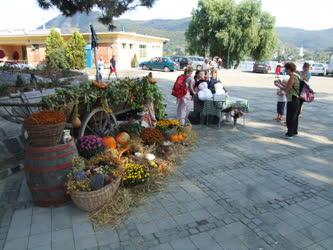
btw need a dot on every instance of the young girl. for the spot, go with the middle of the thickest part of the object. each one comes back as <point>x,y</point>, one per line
<point>281,104</point>
<point>183,102</point>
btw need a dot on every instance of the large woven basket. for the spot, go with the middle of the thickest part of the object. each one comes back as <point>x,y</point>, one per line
<point>90,201</point>
<point>187,128</point>
<point>45,135</point>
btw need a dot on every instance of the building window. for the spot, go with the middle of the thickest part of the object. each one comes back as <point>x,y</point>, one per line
<point>35,46</point>
<point>16,55</point>
<point>131,46</point>
<point>124,45</point>
<point>2,54</point>
<point>143,51</point>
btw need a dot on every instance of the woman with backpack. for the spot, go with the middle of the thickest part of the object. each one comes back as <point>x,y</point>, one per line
<point>184,100</point>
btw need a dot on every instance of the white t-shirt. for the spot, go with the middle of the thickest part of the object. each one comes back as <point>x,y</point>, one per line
<point>281,95</point>
<point>100,65</point>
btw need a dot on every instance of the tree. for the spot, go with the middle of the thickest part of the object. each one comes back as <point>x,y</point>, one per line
<point>75,51</point>
<point>267,38</point>
<point>226,29</point>
<point>109,8</point>
<point>56,51</point>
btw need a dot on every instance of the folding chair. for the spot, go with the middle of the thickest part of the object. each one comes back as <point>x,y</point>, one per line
<point>218,102</point>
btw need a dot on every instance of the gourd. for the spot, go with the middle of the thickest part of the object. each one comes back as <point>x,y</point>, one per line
<point>100,85</point>
<point>123,138</point>
<point>151,80</point>
<point>123,151</point>
<point>76,122</point>
<point>110,142</point>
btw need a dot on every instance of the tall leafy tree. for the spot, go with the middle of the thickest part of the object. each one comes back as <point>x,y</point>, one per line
<point>56,51</point>
<point>227,29</point>
<point>75,51</point>
<point>267,38</point>
<point>109,8</point>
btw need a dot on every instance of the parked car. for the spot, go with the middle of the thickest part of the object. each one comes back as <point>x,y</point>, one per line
<point>160,63</point>
<point>197,62</point>
<point>261,67</point>
<point>318,69</point>
<point>183,61</point>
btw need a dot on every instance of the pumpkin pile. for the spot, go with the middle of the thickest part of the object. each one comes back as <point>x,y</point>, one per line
<point>45,117</point>
<point>179,137</point>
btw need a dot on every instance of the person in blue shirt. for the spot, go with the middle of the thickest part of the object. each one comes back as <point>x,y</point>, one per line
<point>306,76</point>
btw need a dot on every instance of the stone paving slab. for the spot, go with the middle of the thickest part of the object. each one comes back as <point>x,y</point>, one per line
<point>241,188</point>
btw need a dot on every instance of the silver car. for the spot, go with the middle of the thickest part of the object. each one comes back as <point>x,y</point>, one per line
<point>197,62</point>
<point>318,69</point>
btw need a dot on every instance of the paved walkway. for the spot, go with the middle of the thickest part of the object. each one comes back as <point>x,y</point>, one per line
<point>243,188</point>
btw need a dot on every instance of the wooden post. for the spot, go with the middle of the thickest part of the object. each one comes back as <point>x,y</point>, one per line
<point>95,57</point>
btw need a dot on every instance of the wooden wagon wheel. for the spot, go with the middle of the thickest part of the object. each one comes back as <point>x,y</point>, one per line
<point>99,123</point>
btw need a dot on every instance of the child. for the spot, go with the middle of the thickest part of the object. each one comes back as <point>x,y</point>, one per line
<point>281,104</point>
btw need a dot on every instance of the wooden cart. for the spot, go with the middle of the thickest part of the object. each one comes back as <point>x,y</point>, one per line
<point>97,121</point>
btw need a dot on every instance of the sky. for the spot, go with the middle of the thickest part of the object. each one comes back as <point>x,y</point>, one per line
<point>310,15</point>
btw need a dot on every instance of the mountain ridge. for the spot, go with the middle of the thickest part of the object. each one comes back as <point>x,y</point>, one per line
<point>174,29</point>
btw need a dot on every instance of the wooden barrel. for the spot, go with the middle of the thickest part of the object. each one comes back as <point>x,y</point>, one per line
<point>46,170</point>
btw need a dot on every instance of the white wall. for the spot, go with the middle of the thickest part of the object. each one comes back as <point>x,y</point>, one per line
<point>132,46</point>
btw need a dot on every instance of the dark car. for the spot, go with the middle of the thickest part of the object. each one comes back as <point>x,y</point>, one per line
<point>160,63</point>
<point>261,67</point>
<point>183,61</point>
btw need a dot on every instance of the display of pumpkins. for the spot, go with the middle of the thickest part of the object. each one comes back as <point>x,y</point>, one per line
<point>177,138</point>
<point>123,138</point>
<point>110,142</point>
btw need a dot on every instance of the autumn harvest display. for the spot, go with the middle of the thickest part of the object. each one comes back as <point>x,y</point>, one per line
<point>112,166</point>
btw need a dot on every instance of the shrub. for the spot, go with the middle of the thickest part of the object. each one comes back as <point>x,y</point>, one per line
<point>134,62</point>
<point>19,82</point>
<point>75,51</point>
<point>56,51</point>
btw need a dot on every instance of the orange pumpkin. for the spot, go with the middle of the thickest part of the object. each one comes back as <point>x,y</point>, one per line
<point>110,142</point>
<point>178,137</point>
<point>174,138</point>
<point>123,138</point>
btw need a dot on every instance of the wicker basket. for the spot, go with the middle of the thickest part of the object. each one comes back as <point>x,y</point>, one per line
<point>187,128</point>
<point>45,135</point>
<point>90,201</point>
<point>169,132</point>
